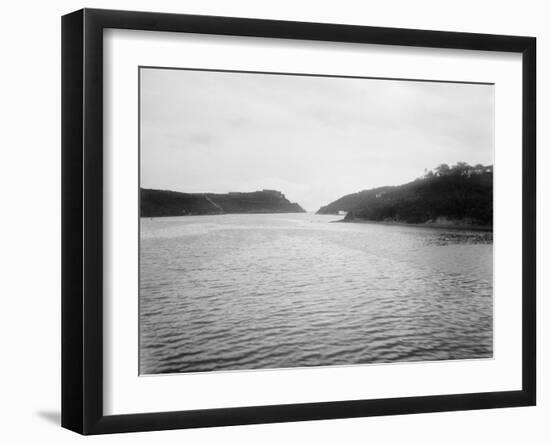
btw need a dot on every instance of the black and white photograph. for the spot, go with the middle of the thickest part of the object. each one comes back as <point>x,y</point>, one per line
<point>327,218</point>
<point>291,221</point>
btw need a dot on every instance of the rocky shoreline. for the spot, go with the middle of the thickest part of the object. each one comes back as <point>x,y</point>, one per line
<point>459,226</point>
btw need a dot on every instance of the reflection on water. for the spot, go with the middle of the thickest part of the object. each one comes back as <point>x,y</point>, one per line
<point>232,292</point>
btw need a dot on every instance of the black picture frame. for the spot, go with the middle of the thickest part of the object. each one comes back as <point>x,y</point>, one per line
<point>82,220</point>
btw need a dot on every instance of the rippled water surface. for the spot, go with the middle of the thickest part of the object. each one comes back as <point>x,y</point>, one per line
<point>229,292</point>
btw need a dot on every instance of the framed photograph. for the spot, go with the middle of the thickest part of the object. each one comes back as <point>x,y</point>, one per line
<point>268,221</point>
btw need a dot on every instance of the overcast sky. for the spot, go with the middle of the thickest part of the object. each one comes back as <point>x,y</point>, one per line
<point>313,138</point>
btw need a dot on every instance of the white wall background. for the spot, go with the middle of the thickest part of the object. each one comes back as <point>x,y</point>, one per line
<point>30,220</point>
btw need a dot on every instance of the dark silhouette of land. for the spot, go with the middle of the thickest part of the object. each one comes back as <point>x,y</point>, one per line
<point>158,203</point>
<point>459,196</point>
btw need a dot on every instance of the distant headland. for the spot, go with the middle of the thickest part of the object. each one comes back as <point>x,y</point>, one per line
<point>159,203</point>
<point>458,196</point>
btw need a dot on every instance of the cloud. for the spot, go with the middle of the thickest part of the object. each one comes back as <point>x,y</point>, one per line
<point>315,138</point>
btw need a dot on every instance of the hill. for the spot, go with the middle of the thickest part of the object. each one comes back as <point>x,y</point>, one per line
<point>350,202</point>
<point>461,194</point>
<point>158,203</point>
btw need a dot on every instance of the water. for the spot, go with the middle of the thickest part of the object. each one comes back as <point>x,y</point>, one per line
<point>228,292</point>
